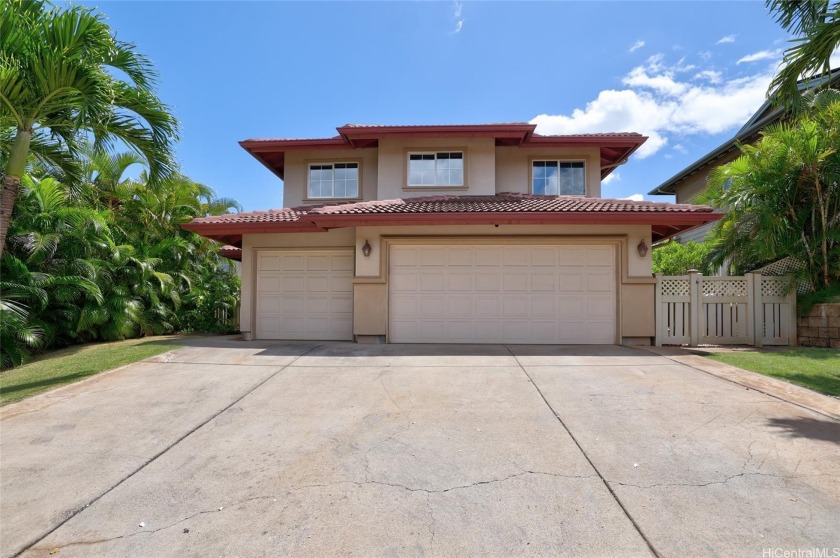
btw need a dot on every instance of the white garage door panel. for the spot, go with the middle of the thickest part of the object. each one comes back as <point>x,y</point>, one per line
<point>305,295</point>
<point>502,294</point>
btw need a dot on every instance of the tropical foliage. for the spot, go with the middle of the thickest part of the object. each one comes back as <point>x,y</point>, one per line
<point>674,258</point>
<point>106,259</point>
<point>816,26</point>
<point>58,83</point>
<point>782,198</point>
<point>85,252</point>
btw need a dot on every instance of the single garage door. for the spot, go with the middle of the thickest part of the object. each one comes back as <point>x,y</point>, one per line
<point>305,295</point>
<point>502,294</point>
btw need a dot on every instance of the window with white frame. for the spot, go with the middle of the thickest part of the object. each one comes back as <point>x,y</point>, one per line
<point>558,178</point>
<point>443,168</point>
<point>333,180</point>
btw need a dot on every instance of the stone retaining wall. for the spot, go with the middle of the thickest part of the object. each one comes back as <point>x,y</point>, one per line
<point>821,327</point>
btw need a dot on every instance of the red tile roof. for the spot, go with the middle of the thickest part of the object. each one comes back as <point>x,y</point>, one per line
<point>667,219</point>
<point>231,252</point>
<point>500,203</point>
<point>507,203</point>
<point>268,216</point>
<point>614,148</point>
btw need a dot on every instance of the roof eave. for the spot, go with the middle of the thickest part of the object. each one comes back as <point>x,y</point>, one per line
<point>664,224</point>
<point>328,221</point>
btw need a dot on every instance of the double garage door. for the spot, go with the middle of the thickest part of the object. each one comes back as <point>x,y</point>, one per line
<point>447,294</point>
<point>502,294</point>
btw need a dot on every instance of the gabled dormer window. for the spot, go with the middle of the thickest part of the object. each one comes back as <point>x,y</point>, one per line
<point>333,180</point>
<point>436,168</point>
<point>558,178</point>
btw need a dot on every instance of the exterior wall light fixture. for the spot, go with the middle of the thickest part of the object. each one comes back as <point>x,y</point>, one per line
<point>366,248</point>
<point>642,248</point>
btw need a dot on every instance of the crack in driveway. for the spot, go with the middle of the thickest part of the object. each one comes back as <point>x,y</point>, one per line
<point>583,452</point>
<point>80,509</point>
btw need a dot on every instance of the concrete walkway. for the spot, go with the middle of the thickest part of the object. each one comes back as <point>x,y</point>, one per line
<point>227,448</point>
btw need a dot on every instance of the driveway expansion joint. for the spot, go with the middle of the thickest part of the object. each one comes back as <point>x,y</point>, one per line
<point>591,463</point>
<point>73,513</point>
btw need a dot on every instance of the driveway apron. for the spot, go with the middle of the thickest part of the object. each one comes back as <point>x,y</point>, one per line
<point>227,448</point>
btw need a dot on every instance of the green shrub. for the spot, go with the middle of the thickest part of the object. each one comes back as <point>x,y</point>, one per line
<point>674,258</point>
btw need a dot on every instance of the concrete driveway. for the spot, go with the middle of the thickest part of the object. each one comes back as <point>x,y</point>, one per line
<point>228,448</point>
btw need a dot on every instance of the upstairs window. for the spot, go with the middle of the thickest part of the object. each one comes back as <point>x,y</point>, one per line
<point>333,180</point>
<point>558,178</point>
<point>436,169</point>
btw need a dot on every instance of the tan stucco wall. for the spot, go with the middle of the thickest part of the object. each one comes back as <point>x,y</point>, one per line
<point>636,284</point>
<point>513,165</point>
<point>636,265</point>
<point>638,310</point>
<point>479,161</point>
<point>297,162</point>
<point>370,292</point>
<point>371,300</point>
<point>251,243</point>
<point>489,169</point>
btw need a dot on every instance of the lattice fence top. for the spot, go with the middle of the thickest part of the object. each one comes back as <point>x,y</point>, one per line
<point>724,287</point>
<point>780,267</point>
<point>773,287</point>
<point>675,287</point>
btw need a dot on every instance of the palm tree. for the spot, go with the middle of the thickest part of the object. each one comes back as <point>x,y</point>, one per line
<point>816,24</point>
<point>57,82</point>
<point>782,197</point>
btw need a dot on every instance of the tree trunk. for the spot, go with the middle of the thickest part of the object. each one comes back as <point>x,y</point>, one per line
<point>11,182</point>
<point>824,236</point>
<point>11,185</point>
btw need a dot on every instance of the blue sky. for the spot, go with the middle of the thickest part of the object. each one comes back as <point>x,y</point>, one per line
<point>688,74</point>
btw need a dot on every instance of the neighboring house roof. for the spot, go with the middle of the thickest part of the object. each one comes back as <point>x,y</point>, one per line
<point>615,148</point>
<point>749,132</point>
<point>231,252</point>
<point>666,219</point>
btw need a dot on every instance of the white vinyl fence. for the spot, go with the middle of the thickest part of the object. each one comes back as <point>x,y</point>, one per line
<point>750,310</point>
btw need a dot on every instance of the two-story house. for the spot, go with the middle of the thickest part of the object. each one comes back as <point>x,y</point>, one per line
<point>449,234</point>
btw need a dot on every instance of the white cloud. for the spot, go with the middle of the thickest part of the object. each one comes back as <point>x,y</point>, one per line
<point>705,55</point>
<point>635,197</point>
<point>459,21</point>
<point>663,82</point>
<point>636,46</point>
<point>612,177</point>
<point>759,56</point>
<point>680,148</point>
<point>660,103</point>
<point>711,76</point>
<point>725,40</point>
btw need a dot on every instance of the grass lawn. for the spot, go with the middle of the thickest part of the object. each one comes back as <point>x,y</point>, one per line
<point>813,368</point>
<point>72,364</point>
